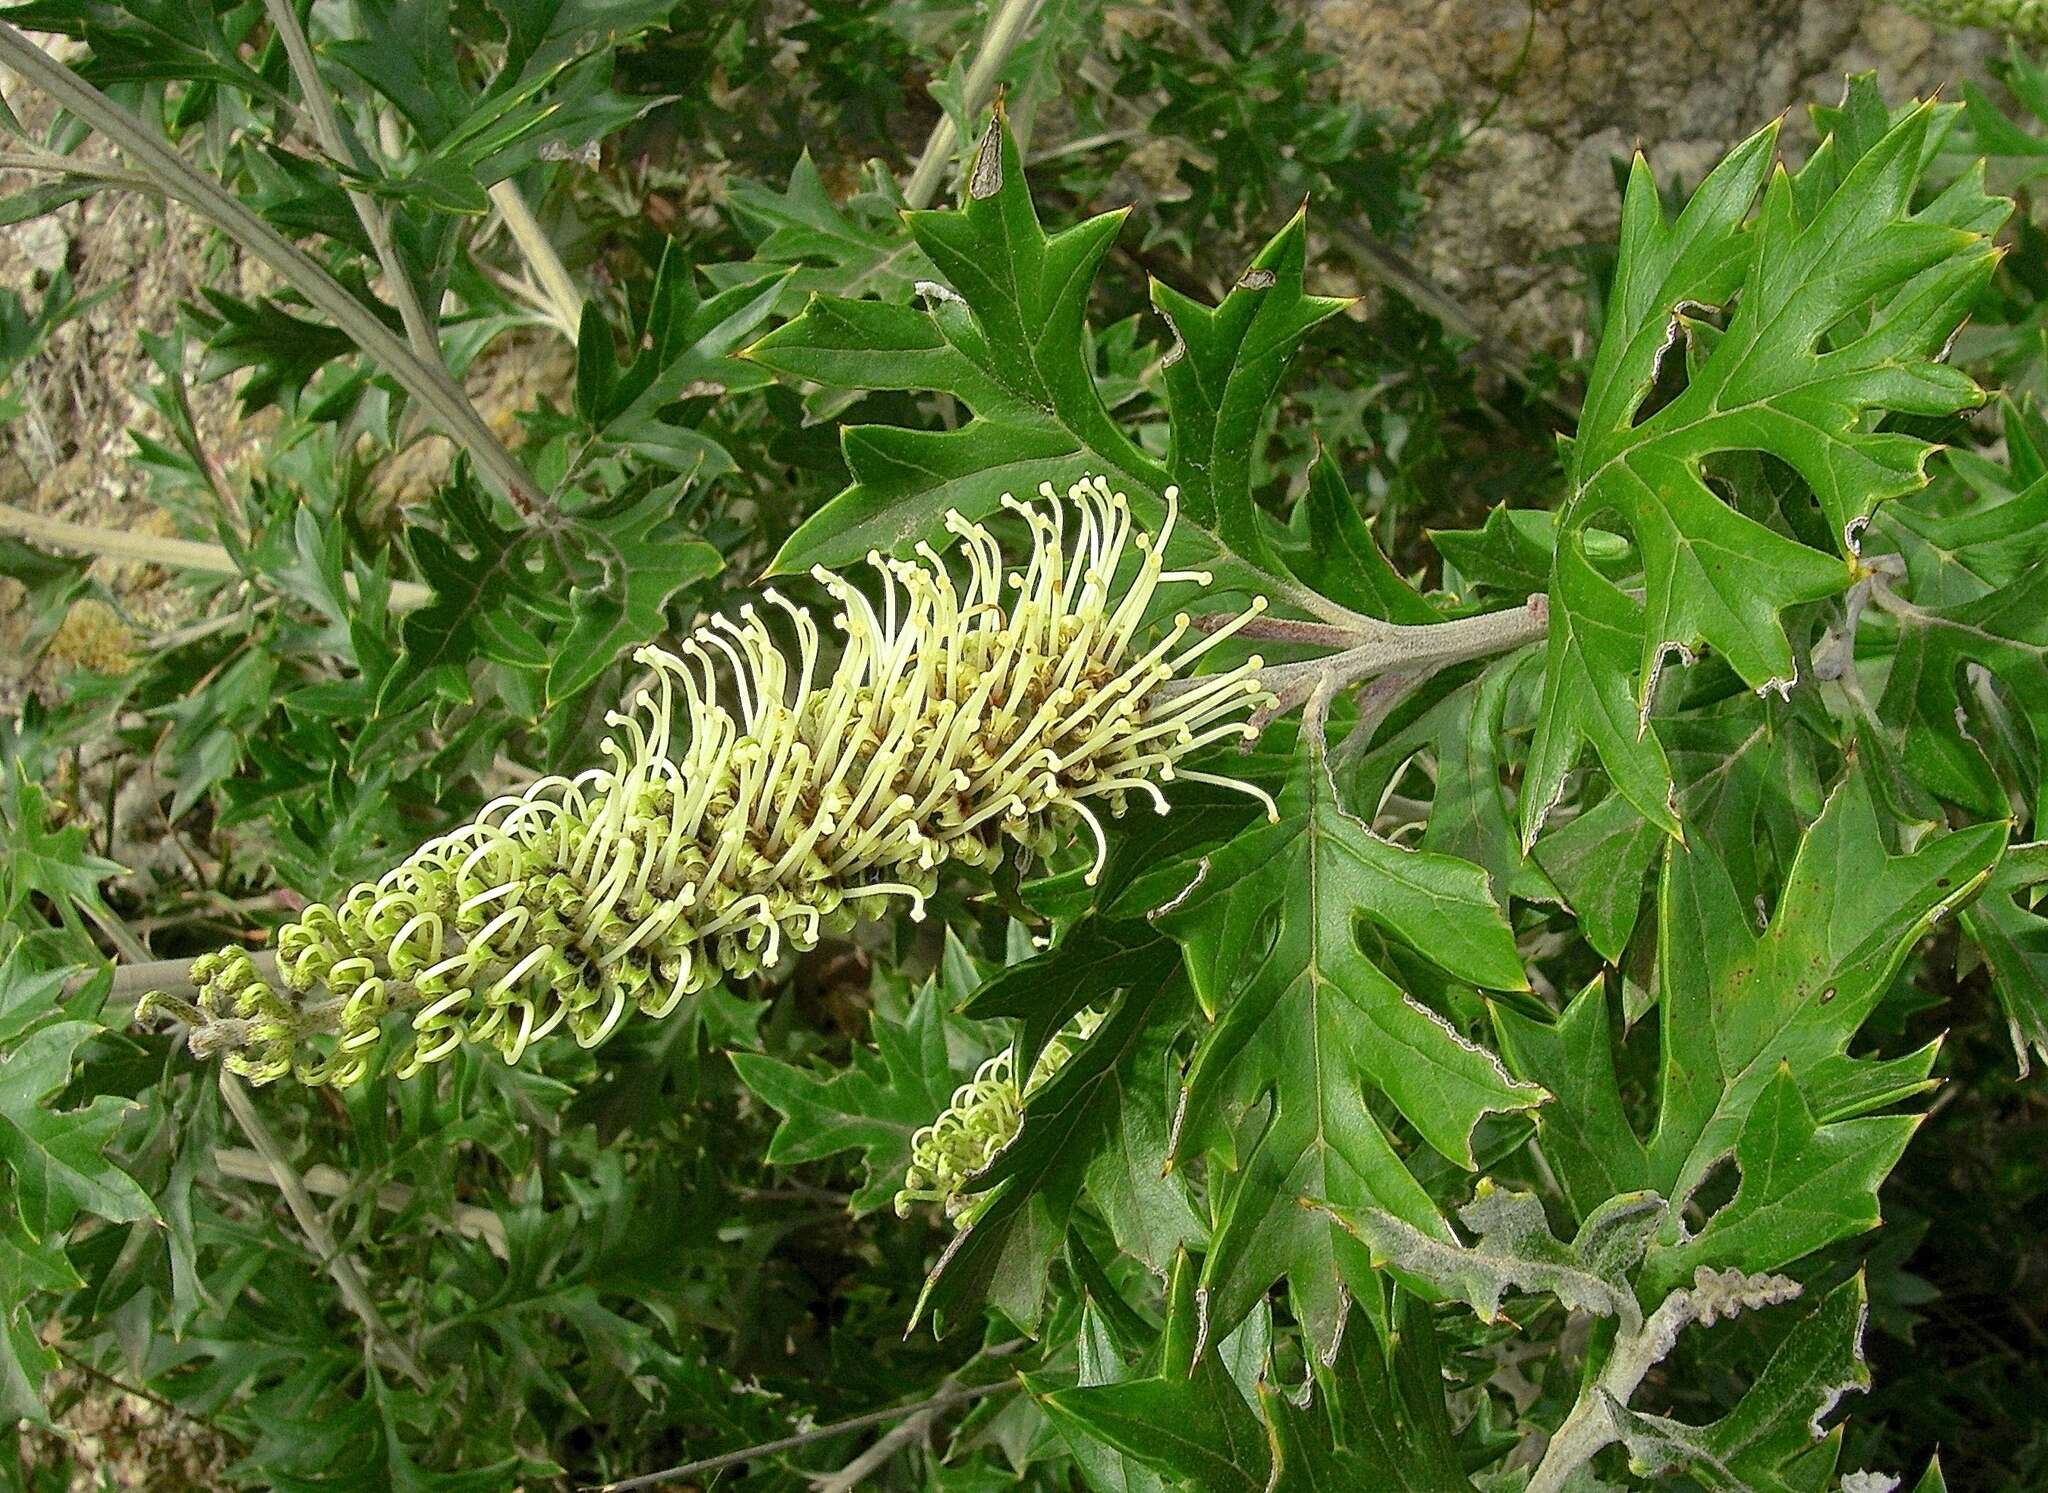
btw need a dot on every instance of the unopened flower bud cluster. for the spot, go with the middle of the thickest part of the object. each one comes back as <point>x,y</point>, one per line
<point>805,792</point>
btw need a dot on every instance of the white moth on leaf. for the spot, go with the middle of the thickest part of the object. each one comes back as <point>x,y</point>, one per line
<point>803,795</point>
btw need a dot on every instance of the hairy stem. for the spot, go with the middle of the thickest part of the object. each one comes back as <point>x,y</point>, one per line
<point>1640,1347</point>
<point>1006,29</point>
<point>427,382</point>
<point>1413,651</point>
<point>152,549</point>
<point>1589,1427</point>
<point>419,329</point>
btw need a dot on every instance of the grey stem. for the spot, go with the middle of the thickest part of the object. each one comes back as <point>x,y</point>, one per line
<point>1589,1427</point>
<point>1005,29</point>
<point>426,382</point>
<point>1412,650</point>
<point>150,549</point>
<point>172,976</point>
<point>1406,646</point>
<point>419,331</point>
<point>313,1223</point>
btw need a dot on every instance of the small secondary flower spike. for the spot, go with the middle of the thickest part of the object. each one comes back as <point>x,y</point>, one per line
<point>985,1115</point>
<point>955,717</point>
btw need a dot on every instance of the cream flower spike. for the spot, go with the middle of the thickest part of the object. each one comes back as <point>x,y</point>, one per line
<point>957,715</point>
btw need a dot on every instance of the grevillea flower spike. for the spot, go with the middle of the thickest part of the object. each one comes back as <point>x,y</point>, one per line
<point>957,715</point>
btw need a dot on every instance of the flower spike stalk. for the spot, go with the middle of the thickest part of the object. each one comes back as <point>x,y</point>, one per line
<point>956,716</point>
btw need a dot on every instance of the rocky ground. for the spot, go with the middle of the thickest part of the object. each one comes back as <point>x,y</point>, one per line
<point>1580,84</point>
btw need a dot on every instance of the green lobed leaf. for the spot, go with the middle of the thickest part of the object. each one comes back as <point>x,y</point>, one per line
<point>1376,1418</point>
<point>2013,939</point>
<point>684,347</point>
<point>58,1156</point>
<point>1470,814</point>
<point>155,41</point>
<point>856,248</point>
<point>1306,1026</point>
<point>884,1096</point>
<point>1331,547</point>
<point>1188,1419</point>
<point>643,562</point>
<point>27,1267</point>
<point>1755,1030</point>
<point>45,859</point>
<point>1964,623</point>
<point>1803,1186</point>
<point>1004,334</point>
<point>1842,298</point>
<point>1224,368</point>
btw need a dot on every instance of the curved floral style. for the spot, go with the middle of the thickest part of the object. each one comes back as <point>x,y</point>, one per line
<point>955,717</point>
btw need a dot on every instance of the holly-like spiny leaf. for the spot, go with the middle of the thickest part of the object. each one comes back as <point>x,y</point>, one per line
<point>875,1104</point>
<point>1306,1026</point>
<point>1741,1016</point>
<point>1005,335</point>
<point>1841,301</point>
<point>58,1156</point>
<point>2013,939</point>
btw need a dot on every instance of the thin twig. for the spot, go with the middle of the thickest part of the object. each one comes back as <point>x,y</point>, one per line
<point>169,1407</point>
<point>419,330</point>
<point>911,1428</point>
<point>354,1292</point>
<point>804,1438</point>
<point>1006,28</point>
<point>427,382</point>
<point>60,165</point>
<point>152,549</point>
